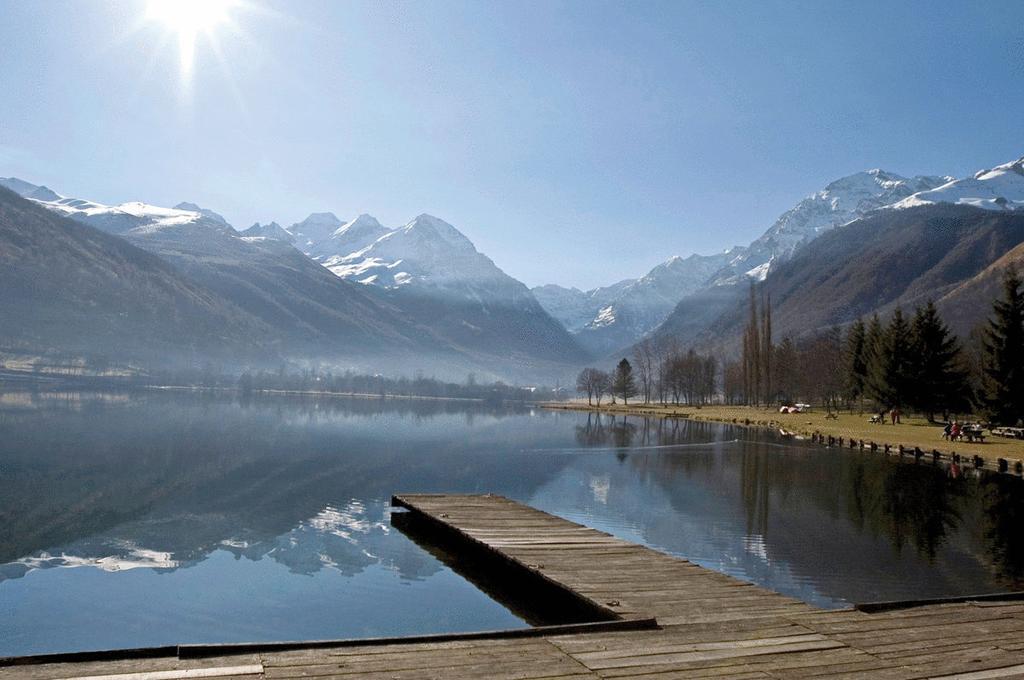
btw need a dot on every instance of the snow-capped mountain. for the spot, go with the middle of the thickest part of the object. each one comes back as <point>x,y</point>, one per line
<point>205,212</point>
<point>606,319</point>
<point>118,219</point>
<point>417,297</point>
<point>347,239</point>
<point>573,307</point>
<point>609,318</point>
<point>272,230</point>
<point>1001,188</point>
<point>426,252</point>
<point>27,190</point>
<point>839,203</point>
<point>314,229</point>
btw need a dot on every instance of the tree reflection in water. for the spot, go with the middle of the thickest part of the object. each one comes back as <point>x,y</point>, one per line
<point>915,506</point>
<point>1003,500</point>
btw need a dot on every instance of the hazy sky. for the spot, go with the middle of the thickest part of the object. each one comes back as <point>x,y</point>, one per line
<point>576,143</point>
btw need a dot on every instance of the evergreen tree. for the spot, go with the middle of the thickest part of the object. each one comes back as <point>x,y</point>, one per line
<point>855,365</point>
<point>1004,354</point>
<point>940,382</point>
<point>623,382</point>
<point>891,364</point>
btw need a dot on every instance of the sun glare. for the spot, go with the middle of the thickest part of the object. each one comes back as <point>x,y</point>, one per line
<point>189,19</point>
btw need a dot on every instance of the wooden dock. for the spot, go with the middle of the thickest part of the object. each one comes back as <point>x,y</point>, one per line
<point>708,625</point>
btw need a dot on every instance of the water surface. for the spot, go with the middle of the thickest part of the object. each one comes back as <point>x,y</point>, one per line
<point>163,518</point>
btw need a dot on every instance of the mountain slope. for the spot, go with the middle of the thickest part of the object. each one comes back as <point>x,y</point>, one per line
<point>453,323</point>
<point>71,288</point>
<point>892,257</point>
<point>840,202</point>
<point>301,308</point>
<point>435,275</point>
<point>314,229</point>
<point>347,239</point>
<point>977,293</point>
<point>618,316</point>
<point>1001,188</point>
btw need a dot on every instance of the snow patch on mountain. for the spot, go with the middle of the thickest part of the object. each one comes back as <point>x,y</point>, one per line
<point>842,201</point>
<point>347,239</point>
<point>427,254</point>
<point>1001,188</point>
<point>314,229</point>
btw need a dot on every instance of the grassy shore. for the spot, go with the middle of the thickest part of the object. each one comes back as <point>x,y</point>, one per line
<point>913,431</point>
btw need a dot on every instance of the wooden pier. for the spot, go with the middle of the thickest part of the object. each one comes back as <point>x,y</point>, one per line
<point>656,617</point>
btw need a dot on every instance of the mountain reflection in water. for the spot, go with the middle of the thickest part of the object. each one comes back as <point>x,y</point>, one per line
<point>268,517</point>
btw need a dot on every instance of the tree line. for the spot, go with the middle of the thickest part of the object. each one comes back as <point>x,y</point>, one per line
<point>904,362</point>
<point>660,372</point>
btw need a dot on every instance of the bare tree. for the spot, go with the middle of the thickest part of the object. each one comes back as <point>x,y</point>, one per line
<point>732,382</point>
<point>643,363</point>
<point>602,385</point>
<point>588,382</point>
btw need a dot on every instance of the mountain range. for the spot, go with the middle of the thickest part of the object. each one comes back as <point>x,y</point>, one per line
<point>945,243</point>
<point>608,319</point>
<point>455,322</point>
<point>148,282</point>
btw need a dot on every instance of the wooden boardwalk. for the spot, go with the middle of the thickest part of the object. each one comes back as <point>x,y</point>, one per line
<point>710,625</point>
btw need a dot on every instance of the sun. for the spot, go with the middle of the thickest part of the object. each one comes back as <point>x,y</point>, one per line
<point>189,19</point>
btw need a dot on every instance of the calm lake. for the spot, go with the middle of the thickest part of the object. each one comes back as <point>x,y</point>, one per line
<point>163,518</point>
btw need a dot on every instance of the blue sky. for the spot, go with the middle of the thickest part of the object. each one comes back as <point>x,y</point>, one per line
<point>574,142</point>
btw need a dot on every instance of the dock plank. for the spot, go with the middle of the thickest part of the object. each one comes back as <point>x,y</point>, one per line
<point>711,625</point>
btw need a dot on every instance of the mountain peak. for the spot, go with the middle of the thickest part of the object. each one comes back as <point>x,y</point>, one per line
<point>205,212</point>
<point>357,234</point>
<point>321,218</point>
<point>29,190</point>
<point>272,231</point>
<point>363,221</point>
<point>430,224</point>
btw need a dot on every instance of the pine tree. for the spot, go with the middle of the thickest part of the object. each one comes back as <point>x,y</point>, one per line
<point>890,369</point>
<point>939,380</point>
<point>623,382</point>
<point>872,348</point>
<point>1004,354</point>
<point>855,365</point>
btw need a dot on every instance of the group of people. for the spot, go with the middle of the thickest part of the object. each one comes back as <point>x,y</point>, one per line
<point>894,417</point>
<point>954,431</point>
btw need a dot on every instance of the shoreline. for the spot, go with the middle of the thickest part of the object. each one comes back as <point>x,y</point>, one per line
<point>910,441</point>
<point>54,385</point>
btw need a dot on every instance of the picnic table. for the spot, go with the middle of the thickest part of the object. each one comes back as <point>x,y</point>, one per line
<point>1011,432</point>
<point>973,434</point>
